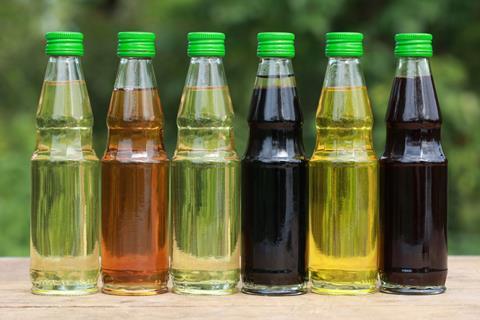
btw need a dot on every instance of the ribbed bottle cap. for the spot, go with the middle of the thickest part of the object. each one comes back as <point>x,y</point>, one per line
<point>136,44</point>
<point>206,44</point>
<point>413,45</point>
<point>344,44</point>
<point>64,43</point>
<point>276,44</point>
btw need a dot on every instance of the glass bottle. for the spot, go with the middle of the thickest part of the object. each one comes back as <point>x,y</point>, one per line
<point>64,223</point>
<point>343,218</point>
<point>413,177</point>
<point>135,178</point>
<point>205,177</point>
<point>274,177</point>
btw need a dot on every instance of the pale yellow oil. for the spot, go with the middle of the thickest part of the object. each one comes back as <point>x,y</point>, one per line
<point>343,218</point>
<point>64,223</point>
<point>205,203</point>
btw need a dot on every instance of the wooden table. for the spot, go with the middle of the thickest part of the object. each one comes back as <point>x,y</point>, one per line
<point>461,301</point>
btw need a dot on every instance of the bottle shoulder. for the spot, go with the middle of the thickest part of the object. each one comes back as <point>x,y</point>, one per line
<point>344,156</point>
<point>420,152</point>
<point>275,125</point>
<point>414,142</point>
<point>205,122</point>
<point>413,124</point>
<point>137,158</point>
<point>275,142</point>
<point>296,159</point>
<point>387,159</point>
<point>64,143</point>
<point>64,122</point>
<point>135,145</point>
<point>88,155</point>
<point>134,124</point>
<point>206,156</point>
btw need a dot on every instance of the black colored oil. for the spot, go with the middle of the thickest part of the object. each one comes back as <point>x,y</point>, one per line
<point>413,188</point>
<point>274,191</point>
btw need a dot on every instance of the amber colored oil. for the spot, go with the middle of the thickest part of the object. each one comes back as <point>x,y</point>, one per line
<point>135,196</point>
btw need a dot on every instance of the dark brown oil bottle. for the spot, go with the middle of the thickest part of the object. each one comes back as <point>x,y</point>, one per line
<point>413,178</point>
<point>274,177</point>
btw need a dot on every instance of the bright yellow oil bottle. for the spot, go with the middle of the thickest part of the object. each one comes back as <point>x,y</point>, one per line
<point>343,210</point>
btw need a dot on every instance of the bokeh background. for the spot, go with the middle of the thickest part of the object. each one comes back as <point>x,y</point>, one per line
<point>455,25</point>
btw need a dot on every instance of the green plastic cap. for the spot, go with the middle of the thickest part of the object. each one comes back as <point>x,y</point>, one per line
<point>206,44</point>
<point>413,45</point>
<point>136,44</point>
<point>64,43</point>
<point>344,44</point>
<point>276,44</point>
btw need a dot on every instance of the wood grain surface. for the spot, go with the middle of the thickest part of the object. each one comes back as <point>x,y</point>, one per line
<point>461,301</point>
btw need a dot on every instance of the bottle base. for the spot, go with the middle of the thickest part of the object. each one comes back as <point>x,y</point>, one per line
<point>279,290</point>
<point>204,289</point>
<point>411,290</point>
<point>64,283</point>
<point>343,282</point>
<point>133,290</point>
<point>70,290</point>
<point>212,283</point>
<point>343,289</point>
<point>134,283</point>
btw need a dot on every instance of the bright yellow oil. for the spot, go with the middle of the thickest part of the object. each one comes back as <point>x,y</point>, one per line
<point>343,219</point>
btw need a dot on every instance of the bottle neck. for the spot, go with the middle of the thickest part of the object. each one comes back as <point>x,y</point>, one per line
<point>64,98</point>
<point>206,72</point>
<point>64,116</point>
<point>275,73</point>
<point>135,117</point>
<point>135,73</point>
<point>344,117</point>
<point>410,67</point>
<point>413,97</point>
<point>274,96</point>
<point>413,116</point>
<point>343,72</point>
<point>275,119</point>
<point>275,68</point>
<point>135,103</point>
<point>205,117</point>
<point>64,68</point>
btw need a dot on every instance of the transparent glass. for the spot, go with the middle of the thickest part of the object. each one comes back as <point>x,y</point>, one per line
<point>343,217</point>
<point>205,186</point>
<point>274,182</point>
<point>64,223</point>
<point>413,180</point>
<point>135,187</point>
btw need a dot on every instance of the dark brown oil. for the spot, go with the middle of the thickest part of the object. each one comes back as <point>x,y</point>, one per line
<point>413,188</point>
<point>274,182</point>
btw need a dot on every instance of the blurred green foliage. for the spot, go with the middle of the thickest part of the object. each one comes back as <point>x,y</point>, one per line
<point>456,68</point>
